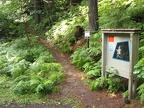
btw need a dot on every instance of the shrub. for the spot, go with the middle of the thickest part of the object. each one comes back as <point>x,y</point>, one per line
<point>31,67</point>
<point>99,83</point>
<point>141,92</point>
<point>113,83</point>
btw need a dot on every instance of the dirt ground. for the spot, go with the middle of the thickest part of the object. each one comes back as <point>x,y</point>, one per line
<point>74,85</point>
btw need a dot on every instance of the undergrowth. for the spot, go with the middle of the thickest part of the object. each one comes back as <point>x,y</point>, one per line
<point>61,35</point>
<point>28,68</point>
<point>113,84</point>
<point>89,59</point>
<point>139,70</point>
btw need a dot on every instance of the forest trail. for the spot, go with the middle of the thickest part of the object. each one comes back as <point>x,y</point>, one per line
<point>73,85</point>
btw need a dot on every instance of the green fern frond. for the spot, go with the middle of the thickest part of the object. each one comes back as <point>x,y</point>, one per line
<point>141,92</point>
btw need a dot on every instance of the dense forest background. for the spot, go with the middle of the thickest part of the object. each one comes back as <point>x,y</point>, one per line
<point>62,23</point>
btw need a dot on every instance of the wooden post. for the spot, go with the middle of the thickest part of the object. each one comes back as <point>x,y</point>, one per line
<point>87,36</point>
<point>88,42</point>
<point>103,55</point>
<point>134,39</point>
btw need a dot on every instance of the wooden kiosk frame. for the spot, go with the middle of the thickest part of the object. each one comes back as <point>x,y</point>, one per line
<point>120,54</point>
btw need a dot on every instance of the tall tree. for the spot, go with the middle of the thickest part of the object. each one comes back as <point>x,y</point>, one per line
<point>93,15</point>
<point>37,9</point>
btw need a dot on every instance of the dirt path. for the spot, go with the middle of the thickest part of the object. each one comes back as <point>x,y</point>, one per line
<point>73,85</point>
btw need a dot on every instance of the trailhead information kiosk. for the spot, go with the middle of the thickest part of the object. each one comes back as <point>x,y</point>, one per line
<point>120,54</point>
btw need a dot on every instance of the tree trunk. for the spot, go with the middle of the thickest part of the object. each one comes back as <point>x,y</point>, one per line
<point>37,8</point>
<point>93,15</point>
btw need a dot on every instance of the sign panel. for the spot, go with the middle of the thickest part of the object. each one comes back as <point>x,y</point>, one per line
<point>121,51</point>
<point>87,34</point>
<point>117,57</point>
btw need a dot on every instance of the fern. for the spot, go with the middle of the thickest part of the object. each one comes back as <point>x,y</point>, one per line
<point>35,82</point>
<point>139,69</point>
<point>22,87</point>
<point>19,68</point>
<point>141,92</point>
<point>45,57</point>
<point>115,84</point>
<point>121,12</point>
<point>21,78</point>
<point>87,66</point>
<point>61,34</point>
<point>141,49</point>
<point>31,68</point>
<point>95,86</point>
<point>54,67</point>
<point>45,87</point>
<point>99,83</point>
<point>93,73</point>
<point>56,77</point>
<point>125,94</point>
<point>80,57</point>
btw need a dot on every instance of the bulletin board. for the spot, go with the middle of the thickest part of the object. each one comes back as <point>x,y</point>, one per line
<point>120,54</point>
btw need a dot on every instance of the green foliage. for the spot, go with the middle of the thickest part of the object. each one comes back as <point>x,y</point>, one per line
<point>61,34</point>
<point>80,57</point>
<point>30,67</point>
<point>141,48</point>
<point>21,87</point>
<point>121,14</point>
<point>93,73</point>
<point>141,92</point>
<point>92,69</point>
<point>125,94</point>
<point>99,83</point>
<point>89,59</point>
<point>139,69</point>
<point>113,83</point>
<point>95,46</point>
<point>19,68</point>
<point>11,14</point>
<point>40,79</point>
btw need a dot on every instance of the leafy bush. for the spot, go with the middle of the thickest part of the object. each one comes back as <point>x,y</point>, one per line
<point>125,94</point>
<point>99,83</point>
<point>61,34</point>
<point>113,83</point>
<point>89,59</point>
<point>125,14</point>
<point>30,66</point>
<point>80,57</point>
<point>139,69</point>
<point>93,73</point>
<point>141,92</point>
